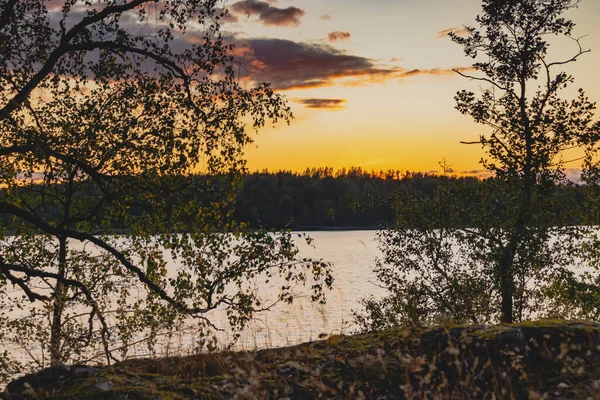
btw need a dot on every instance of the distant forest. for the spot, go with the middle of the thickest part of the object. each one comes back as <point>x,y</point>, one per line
<point>354,198</point>
<point>321,198</point>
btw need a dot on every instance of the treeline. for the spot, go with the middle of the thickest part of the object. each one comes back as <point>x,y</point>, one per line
<point>321,198</point>
<point>317,198</point>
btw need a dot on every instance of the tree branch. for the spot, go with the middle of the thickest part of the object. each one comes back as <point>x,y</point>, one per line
<point>62,49</point>
<point>30,272</point>
<point>87,237</point>
<point>118,47</point>
<point>575,57</point>
<point>7,13</point>
<point>487,80</point>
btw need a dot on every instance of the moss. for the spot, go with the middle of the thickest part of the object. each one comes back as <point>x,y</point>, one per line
<point>452,362</point>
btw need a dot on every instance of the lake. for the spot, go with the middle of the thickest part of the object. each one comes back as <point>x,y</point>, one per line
<point>352,255</point>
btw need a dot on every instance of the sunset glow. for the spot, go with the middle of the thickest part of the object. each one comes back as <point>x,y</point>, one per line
<point>371,83</point>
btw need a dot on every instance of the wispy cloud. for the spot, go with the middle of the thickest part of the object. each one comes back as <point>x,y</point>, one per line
<point>227,16</point>
<point>436,71</point>
<point>338,36</point>
<point>460,31</point>
<point>325,17</point>
<point>267,14</point>
<point>322,104</point>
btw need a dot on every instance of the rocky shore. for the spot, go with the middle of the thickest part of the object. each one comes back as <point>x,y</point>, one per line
<point>548,359</point>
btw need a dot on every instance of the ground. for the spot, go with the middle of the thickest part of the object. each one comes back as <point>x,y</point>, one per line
<point>548,359</point>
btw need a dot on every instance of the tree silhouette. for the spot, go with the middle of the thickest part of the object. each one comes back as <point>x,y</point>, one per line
<point>105,107</point>
<point>511,247</point>
<point>531,125</point>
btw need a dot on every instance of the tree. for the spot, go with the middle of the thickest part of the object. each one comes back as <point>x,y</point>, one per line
<point>429,265</point>
<point>532,126</point>
<point>515,239</point>
<point>106,108</point>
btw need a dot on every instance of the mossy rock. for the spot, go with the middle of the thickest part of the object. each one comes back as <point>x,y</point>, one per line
<point>548,359</point>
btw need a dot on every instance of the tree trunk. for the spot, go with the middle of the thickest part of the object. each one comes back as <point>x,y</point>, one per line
<point>507,282</point>
<point>58,307</point>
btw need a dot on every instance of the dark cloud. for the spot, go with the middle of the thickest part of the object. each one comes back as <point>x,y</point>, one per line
<point>267,14</point>
<point>297,65</point>
<point>322,104</point>
<point>444,34</point>
<point>338,36</point>
<point>292,65</point>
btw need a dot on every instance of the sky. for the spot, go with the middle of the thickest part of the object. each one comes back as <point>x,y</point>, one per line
<point>370,82</point>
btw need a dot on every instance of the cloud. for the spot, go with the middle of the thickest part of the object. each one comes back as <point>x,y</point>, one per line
<point>227,16</point>
<point>436,71</point>
<point>55,4</point>
<point>338,36</point>
<point>299,65</point>
<point>267,14</point>
<point>325,17</point>
<point>459,31</point>
<point>293,65</point>
<point>574,175</point>
<point>322,104</point>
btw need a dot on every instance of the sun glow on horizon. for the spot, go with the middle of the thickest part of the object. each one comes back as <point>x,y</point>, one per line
<point>379,92</point>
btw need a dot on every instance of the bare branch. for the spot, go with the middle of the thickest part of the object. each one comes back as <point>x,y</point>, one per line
<point>487,80</point>
<point>575,57</point>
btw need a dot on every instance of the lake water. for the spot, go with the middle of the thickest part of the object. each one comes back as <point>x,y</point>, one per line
<point>352,255</point>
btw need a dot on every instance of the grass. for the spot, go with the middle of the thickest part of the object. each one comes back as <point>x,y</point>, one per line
<point>547,359</point>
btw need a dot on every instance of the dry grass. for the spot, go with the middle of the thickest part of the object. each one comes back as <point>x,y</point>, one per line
<point>542,360</point>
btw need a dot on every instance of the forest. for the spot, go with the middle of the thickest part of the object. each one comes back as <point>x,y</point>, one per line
<point>321,198</point>
<point>346,199</point>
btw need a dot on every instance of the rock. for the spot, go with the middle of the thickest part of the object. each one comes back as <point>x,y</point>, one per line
<point>103,387</point>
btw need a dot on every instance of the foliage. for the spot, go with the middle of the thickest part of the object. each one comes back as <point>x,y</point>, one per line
<point>430,266</point>
<point>515,249</point>
<point>105,107</point>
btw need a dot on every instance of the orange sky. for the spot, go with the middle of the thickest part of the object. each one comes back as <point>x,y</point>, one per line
<point>369,81</point>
